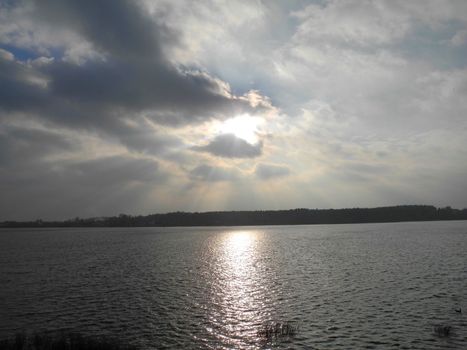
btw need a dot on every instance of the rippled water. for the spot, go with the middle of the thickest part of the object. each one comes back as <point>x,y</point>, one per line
<point>375,286</point>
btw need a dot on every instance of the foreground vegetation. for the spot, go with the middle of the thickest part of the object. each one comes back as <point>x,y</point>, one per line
<point>275,330</point>
<point>61,341</point>
<point>265,217</point>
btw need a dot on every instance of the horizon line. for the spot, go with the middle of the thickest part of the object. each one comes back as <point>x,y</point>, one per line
<point>76,218</point>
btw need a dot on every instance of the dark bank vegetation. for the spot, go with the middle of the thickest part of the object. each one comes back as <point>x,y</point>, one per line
<point>62,341</point>
<point>262,217</point>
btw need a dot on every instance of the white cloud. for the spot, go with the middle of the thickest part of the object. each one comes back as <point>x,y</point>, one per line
<point>352,22</point>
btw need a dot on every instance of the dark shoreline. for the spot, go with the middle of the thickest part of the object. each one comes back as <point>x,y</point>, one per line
<point>403,213</point>
<point>62,341</point>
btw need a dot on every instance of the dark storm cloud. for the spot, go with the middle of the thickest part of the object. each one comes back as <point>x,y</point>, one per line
<point>120,28</point>
<point>16,92</point>
<point>134,77</point>
<point>136,87</point>
<point>230,146</point>
<point>144,139</point>
<point>136,73</point>
<point>209,173</point>
<point>270,171</point>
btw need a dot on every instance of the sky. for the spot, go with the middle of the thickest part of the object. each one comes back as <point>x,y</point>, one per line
<point>140,107</point>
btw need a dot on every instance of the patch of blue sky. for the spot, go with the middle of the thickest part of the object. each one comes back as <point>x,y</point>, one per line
<point>20,53</point>
<point>25,54</point>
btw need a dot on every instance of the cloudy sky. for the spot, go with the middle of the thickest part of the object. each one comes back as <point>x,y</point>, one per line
<point>139,107</point>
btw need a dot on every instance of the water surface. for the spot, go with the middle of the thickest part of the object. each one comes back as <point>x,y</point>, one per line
<point>375,286</point>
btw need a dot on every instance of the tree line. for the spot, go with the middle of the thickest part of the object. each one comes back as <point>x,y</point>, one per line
<point>298,216</point>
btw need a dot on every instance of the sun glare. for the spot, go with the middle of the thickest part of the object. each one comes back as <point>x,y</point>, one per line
<point>240,241</point>
<point>243,126</point>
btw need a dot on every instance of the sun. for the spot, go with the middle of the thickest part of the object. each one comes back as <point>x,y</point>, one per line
<point>243,126</point>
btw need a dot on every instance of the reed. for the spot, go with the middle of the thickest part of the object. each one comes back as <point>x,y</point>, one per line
<point>442,330</point>
<point>274,330</point>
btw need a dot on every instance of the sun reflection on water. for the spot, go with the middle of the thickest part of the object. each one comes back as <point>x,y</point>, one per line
<point>238,245</point>
<point>239,290</point>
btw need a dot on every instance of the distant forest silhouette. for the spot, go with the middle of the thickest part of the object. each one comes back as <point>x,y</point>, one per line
<point>261,217</point>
